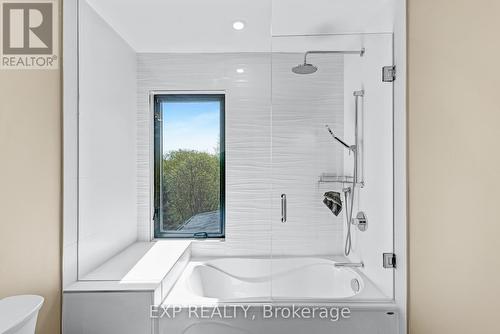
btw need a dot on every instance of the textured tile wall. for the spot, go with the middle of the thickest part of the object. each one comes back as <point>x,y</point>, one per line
<point>275,143</point>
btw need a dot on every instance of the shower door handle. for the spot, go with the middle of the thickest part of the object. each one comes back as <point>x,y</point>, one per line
<point>283,208</point>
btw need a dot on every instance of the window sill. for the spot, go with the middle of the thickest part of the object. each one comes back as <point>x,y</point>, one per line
<point>192,240</point>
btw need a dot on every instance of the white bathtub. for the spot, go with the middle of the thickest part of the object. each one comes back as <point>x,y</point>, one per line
<point>253,280</point>
<point>237,279</point>
<point>260,283</point>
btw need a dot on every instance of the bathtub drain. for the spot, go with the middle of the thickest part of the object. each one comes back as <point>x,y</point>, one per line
<point>355,285</point>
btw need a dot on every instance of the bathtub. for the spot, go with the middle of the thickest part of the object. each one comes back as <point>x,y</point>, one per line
<point>261,284</point>
<point>253,280</point>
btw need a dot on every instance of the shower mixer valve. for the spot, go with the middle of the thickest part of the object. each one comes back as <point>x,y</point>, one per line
<point>361,221</point>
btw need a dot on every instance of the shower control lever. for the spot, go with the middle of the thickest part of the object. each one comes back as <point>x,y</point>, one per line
<point>283,208</point>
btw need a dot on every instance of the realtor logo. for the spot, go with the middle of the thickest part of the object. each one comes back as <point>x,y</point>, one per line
<point>28,34</point>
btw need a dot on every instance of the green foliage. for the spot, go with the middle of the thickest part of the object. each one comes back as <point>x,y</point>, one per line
<point>191,185</point>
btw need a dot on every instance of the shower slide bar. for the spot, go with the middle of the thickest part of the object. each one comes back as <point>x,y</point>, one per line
<point>325,177</point>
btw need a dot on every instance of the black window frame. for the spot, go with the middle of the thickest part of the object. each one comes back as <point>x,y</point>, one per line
<point>158,160</point>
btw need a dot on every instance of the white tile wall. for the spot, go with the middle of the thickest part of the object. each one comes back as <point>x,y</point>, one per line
<point>107,142</point>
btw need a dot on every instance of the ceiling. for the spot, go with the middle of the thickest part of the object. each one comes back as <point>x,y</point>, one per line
<point>207,25</point>
<point>189,25</point>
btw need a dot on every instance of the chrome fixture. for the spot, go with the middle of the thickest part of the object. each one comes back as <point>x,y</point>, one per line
<point>283,208</point>
<point>388,73</point>
<point>335,178</point>
<point>352,189</point>
<point>304,69</point>
<point>348,215</point>
<point>389,260</point>
<point>349,264</point>
<point>358,93</point>
<point>361,221</point>
<point>307,68</point>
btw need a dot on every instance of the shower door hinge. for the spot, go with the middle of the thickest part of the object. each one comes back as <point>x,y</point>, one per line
<point>388,73</point>
<point>389,260</point>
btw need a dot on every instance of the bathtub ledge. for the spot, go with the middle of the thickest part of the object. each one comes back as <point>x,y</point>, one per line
<point>143,266</point>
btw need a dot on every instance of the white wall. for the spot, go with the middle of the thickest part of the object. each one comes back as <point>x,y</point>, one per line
<point>107,142</point>
<point>312,17</point>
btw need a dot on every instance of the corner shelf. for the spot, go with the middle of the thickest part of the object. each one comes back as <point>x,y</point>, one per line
<point>333,178</point>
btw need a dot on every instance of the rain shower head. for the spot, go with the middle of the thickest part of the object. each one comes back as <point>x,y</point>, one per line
<point>307,68</point>
<point>304,69</point>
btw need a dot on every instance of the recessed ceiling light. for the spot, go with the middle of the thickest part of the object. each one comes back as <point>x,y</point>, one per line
<point>238,25</point>
<point>240,70</point>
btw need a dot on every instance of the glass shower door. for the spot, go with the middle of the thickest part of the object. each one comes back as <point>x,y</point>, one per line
<point>308,162</point>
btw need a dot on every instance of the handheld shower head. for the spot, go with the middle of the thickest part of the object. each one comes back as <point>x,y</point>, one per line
<point>349,147</point>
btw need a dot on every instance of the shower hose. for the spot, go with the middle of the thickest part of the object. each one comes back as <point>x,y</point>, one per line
<point>349,206</point>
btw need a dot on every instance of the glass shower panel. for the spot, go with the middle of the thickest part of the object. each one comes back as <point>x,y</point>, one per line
<point>314,147</point>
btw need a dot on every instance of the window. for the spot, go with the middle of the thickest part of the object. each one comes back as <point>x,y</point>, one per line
<point>189,165</point>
